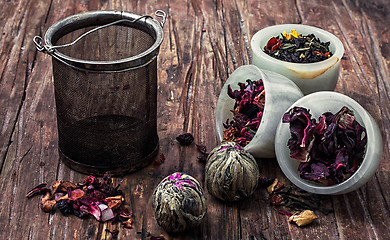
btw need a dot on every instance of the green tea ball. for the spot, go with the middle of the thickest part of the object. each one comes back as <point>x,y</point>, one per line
<point>179,203</point>
<point>231,172</point>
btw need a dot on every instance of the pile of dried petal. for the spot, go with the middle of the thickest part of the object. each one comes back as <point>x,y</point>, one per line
<point>293,200</point>
<point>91,197</point>
<point>247,112</point>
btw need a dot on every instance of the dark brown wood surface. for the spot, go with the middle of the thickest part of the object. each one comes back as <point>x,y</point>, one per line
<point>204,42</point>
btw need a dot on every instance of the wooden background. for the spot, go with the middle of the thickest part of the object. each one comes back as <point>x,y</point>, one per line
<point>204,42</point>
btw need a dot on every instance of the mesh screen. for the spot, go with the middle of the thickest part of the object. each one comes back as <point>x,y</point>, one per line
<point>106,121</point>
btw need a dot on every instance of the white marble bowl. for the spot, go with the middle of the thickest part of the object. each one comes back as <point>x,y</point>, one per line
<point>319,103</point>
<point>280,93</point>
<point>309,77</point>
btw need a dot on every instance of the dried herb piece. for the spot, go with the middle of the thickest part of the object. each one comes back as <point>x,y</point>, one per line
<point>185,139</point>
<point>331,150</point>
<point>297,48</point>
<point>303,218</point>
<point>247,112</point>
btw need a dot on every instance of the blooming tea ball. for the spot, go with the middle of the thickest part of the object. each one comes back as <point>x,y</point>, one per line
<point>231,172</point>
<point>179,203</point>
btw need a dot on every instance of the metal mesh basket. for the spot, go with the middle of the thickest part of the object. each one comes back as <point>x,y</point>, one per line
<point>105,81</point>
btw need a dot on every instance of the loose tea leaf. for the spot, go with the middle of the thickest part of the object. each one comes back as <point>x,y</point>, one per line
<point>247,112</point>
<point>297,48</point>
<point>331,150</point>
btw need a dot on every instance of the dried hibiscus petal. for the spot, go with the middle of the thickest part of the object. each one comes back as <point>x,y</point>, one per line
<point>247,112</point>
<point>331,150</point>
<point>40,189</point>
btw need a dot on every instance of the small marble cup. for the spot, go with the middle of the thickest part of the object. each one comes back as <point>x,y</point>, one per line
<point>280,93</point>
<point>309,77</point>
<point>318,103</point>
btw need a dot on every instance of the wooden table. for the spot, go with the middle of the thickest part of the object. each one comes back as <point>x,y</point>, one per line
<point>205,41</point>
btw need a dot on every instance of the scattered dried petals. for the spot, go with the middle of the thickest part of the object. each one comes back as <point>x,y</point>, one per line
<point>303,218</point>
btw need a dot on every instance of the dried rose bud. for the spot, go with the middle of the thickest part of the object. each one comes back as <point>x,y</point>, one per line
<point>275,186</point>
<point>303,218</point>
<point>185,139</point>
<point>46,203</point>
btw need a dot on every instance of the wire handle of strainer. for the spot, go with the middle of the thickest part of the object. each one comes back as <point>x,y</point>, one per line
<point>38,40</point>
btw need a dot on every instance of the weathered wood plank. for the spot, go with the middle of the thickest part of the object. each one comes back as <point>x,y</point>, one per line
<point>204,42</point>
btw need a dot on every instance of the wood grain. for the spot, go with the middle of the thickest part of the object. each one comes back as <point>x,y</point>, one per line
<point>205,41</point>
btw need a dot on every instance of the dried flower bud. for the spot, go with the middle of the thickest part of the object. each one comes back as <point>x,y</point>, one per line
<point>303,218</point>
<point>275,186</point>
<point>46,203</point>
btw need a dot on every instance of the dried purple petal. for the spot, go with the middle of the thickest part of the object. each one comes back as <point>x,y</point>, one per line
<point>331,152</point>
<point>185,139</point>
<point>247,112</point>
